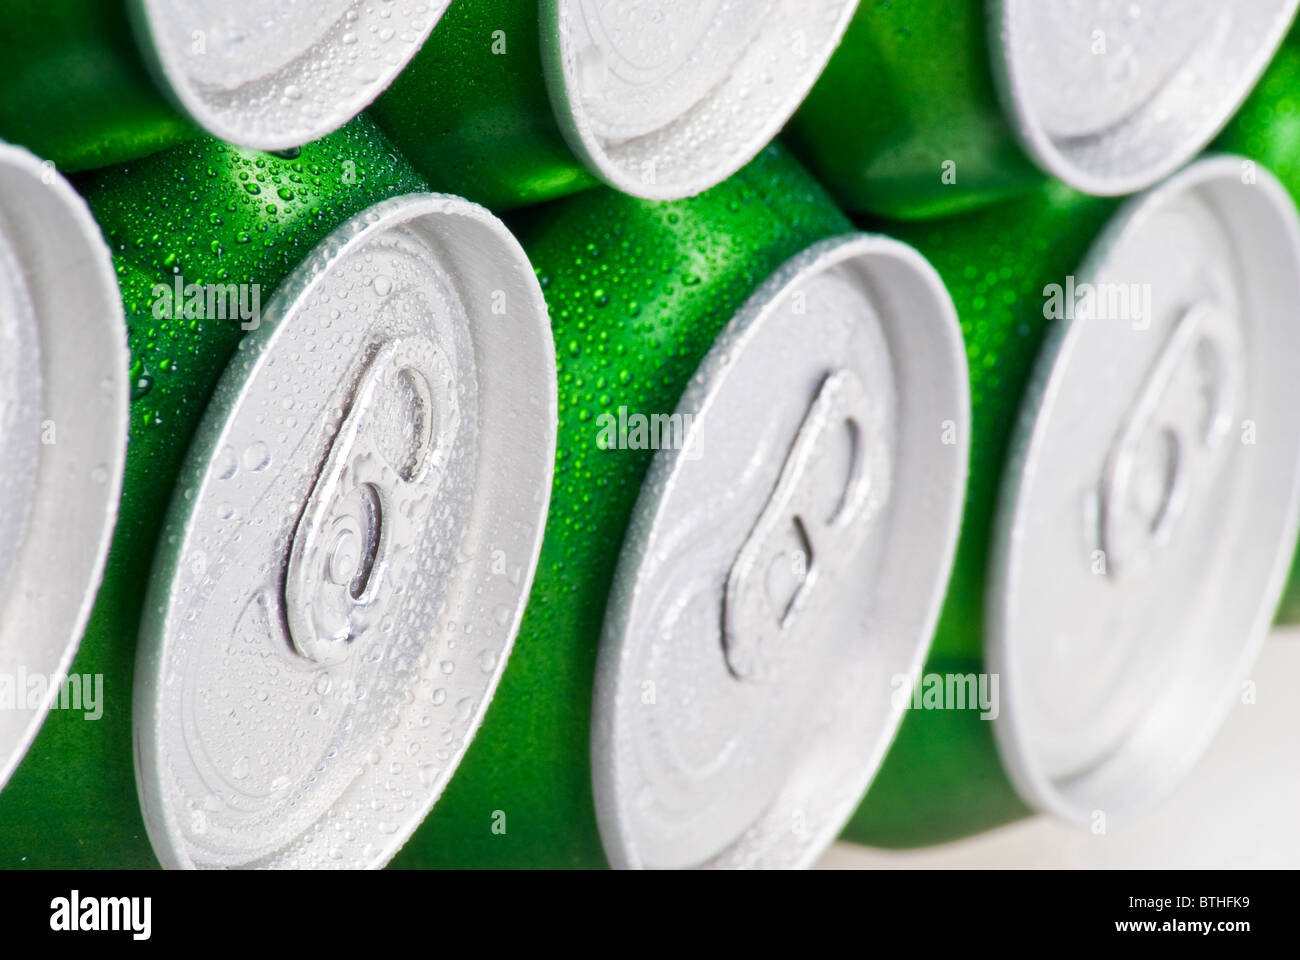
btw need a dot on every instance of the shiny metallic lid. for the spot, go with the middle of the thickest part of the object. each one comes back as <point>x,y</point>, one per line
<point>665,98</point>
<point>63,425</point>
<point>1114,95</point>
<point>274,74</point>
<point>1149,511</point>
<point>350,547</point>
<point>785,563</point>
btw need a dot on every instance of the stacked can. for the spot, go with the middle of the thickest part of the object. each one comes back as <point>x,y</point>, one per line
<point>353,530</point>
<point>1267,131</point>
<point>513,102</point>
<point>88,83</point>
<point>722,591</point>
<point>63,399</point>
<point>1132,506</point>
<point>931,108</point>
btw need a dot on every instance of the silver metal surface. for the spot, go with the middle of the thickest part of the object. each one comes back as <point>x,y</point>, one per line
<point>20,398</point>
<point>350,548</point>
<point>354,547</point>
<point>1114,95</point>
<point>275,74</point>
<point>757,622</point>
<point>665,98</point>
<point>783,567</point>
<point>63,424</point>
<point>1150,511</point>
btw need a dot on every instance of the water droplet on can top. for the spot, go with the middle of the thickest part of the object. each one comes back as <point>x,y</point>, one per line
<point>256,456</point>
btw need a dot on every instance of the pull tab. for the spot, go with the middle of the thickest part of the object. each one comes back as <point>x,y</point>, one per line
<point>1164,456</point>
<point>355,539</point>
<point>760,609</point>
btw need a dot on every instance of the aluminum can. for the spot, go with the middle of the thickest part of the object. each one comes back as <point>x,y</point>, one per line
<point>930,108</point>
<point>334,505</point>
<point>1266,131</point>
<point>513,102</point>
<point>91,83</point>
<point>63,409</point>
<point>1131,506</point>
<point>754,400</point>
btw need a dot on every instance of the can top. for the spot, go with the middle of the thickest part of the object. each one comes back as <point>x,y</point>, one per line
<point>1114,96</point>
<point>348,553</point>
<point>785,564</point>
<point>275,74</point>
<point>664,99</point>
<point>63,425</point>
<point>1149,510</point>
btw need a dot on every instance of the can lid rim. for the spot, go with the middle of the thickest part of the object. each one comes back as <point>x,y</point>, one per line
<point>619,675</point>
<point>637,175</point>
<point>162,821</point>
<point>1079,797</point>
<point>1068,159</point>
<point>262,127</point>
<point>95,318</point>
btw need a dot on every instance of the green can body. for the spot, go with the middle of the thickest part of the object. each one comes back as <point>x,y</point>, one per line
<point>208,213</point>
<point>905,121</point>
<point>74,89</point>
<point>942,778</point>
<point>637,291</point>
<point>1267,130</point>
<point>472,114</point>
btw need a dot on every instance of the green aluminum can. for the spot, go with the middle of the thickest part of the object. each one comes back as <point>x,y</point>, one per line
<point>210,213</point>
<point>943,778</point>
<point>479,123</point>
<point>1071,672</point>
<point>1267,130</point>
<point>742,312</point>
<point>75,89</point>
<point>931,108</point>
<point>513,102</point>
<point>63,408</point>
<point>207,216</point>
<point>90,83</point>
